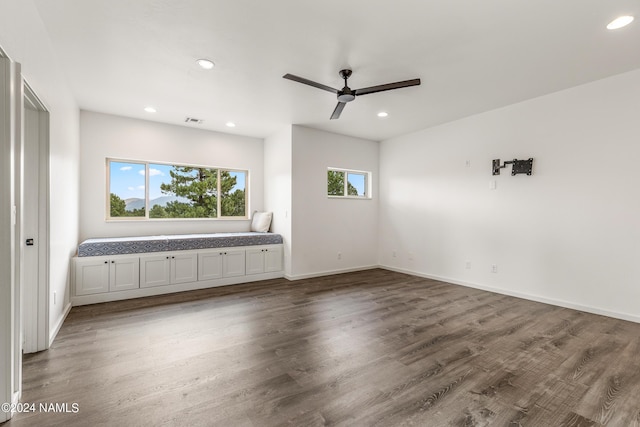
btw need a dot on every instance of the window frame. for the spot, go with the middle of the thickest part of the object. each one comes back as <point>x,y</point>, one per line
<point>146,164</point>
<point>367,184</point>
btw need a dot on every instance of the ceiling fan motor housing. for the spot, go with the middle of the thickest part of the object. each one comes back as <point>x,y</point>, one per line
<point>346,95</point>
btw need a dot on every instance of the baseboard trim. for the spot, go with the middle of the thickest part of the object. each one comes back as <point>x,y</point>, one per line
<point>54,332</point>
<point>329,272</point>
<point>530,297</point>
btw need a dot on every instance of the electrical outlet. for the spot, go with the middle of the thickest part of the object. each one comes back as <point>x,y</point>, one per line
<point>467,265</point>
<point>410,256</point>
<point>493,184</point>
<point>468,163</point>
<point>394,254</point>
<point>494,268</point>
<point>339,255</point>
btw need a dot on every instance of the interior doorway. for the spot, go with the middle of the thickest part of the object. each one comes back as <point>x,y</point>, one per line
<point>24,228</point>
<point>34,230</point>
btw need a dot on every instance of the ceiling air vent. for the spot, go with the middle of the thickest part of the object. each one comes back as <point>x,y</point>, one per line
<point>193,121</point>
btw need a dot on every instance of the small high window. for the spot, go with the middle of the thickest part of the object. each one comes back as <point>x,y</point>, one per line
<point>348,183</point>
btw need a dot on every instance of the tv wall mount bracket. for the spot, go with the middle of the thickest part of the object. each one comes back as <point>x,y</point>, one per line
<point>519,166</point>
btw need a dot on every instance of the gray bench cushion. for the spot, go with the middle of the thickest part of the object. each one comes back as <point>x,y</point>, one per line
<point>178,242</point>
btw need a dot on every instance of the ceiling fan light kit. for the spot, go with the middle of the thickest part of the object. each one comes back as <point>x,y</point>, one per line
<point>346,94</point>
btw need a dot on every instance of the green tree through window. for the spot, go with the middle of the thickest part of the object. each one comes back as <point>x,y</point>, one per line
<point>199,186</point>
<point>117,205</point>
<point>232,194</point>
<point>118,208</point>
<point>335,184</point>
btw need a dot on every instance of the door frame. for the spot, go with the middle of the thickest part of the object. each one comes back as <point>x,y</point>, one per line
<point>11,110</point>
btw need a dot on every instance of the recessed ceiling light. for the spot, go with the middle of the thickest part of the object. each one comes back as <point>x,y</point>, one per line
<point>205,63</point>
<point>620,22</point>
<point>149,109</point>
<point>231,124</point>
<point>383,114</point>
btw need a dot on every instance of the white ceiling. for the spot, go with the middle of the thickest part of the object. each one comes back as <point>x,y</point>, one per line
<point>472,56</point>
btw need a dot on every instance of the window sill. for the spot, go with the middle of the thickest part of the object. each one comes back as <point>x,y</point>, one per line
<point>133,219</point>
<point>350,197</point>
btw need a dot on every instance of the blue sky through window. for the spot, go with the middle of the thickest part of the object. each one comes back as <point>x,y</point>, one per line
<point>241,181</point>
<point>158,174</point>
<point>127,179</point>
<point>358,181</point>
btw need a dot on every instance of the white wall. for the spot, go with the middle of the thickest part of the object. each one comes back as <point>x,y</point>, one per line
<point>106,136</point>
<point>278,187</point>
<point>322,227</point>
<point>25,40</point>
<point>568,234</point>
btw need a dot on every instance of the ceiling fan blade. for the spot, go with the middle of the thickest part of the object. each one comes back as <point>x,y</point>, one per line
<point>309,82</point>
<point>338,110</point>
<point>388,86</point>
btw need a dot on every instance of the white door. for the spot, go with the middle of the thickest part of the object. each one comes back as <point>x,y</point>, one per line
<point>255,261</point>
<point>273,260</point>
<point>33,236</point>
<point>233,263</point>
<point>91,275</point>
<point>184,267</point>
<point>124,274</point>
<point>155,271</point>
<point>209,265</point>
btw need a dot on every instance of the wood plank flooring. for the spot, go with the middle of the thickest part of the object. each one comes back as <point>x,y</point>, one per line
<point>373,348</point>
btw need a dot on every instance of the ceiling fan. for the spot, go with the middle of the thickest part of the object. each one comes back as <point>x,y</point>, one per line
<point>347,94</point>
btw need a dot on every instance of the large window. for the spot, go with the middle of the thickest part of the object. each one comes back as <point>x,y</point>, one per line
<point>143,190</point>
<point>348,183</point>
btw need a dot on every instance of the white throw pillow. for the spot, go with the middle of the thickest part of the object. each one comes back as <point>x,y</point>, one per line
<point>261,221</point>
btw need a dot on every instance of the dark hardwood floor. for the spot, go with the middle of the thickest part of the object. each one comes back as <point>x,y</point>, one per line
<point>373,348</point>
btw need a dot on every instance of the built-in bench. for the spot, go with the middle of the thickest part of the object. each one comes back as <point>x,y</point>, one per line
<point>116,268</point>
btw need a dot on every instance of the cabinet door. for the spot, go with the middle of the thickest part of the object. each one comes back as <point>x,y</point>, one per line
<point>184,267</point>
<point>92,276</point>
<point>155,271</point>
<point>209,265</point>
<point>255,261</point>
<point>272,260</point>
<point>233,263</point>
<point>124,273</point>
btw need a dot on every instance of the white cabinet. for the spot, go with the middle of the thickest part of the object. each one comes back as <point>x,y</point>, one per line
<point>210,265</point>
<point>184,267</point>
<point>155,271</point>
<point>124,274</point>
<point>94,275</point>
<point>264,260</point>
<point>215,264</point>
<point>167,269</point>
<point>233,263</point>
<point>110,278</point>
<point>273,259</point>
